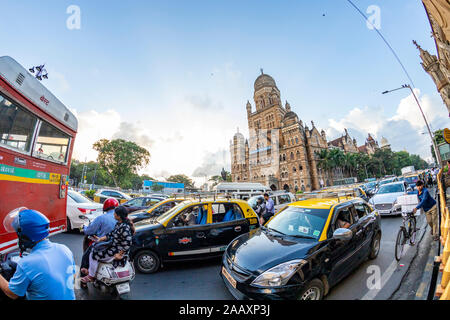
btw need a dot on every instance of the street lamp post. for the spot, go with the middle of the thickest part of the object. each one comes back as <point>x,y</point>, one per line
<point>438,156</point>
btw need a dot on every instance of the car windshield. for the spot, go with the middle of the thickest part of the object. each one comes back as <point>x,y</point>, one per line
<point>386,181</point>
<point>78,198</point>
<point>299,222</point>
<point>253,200</point>
<point>370,185</point>
<point>412,179</point>
<point>166,215</point>
<point>391,188</point>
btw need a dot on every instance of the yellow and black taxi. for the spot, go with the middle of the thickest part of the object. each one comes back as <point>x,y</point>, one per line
<point>303,251</point>
<point>194,229</point>
<point>155,210</point>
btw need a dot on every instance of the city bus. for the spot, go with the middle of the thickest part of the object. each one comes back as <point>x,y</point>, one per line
<point>37,134</point>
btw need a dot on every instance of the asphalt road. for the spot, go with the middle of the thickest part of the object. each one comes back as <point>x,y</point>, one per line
<point>200,280</point>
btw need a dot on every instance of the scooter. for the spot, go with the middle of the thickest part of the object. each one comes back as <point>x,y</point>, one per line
<point>8,265</point>
<point>110,279</point>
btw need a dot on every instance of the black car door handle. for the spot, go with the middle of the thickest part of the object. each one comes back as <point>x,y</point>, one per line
<point>201,235</point>
<point>238,229</point>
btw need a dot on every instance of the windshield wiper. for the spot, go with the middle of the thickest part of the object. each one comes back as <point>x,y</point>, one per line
<point>300,236</point>
<point>276,231</point>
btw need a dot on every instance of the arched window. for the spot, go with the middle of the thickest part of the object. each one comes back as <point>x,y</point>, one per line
<point>292,156</point>
<point>296,140</point>
<point>298,155</point>
<point>289,142</point>
<point>284,157</point>
<point>294,169</point>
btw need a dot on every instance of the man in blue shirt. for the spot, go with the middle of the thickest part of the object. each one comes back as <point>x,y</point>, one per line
<point>429,207</point>
<point>270,208</point>
<point>48,271</point>
<point>101,226</point>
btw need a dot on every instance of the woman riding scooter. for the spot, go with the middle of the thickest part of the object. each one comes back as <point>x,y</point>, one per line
<point>120,242</point>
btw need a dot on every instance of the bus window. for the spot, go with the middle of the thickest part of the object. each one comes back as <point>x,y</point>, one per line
<point>16,126</point>
<point>52,144</point>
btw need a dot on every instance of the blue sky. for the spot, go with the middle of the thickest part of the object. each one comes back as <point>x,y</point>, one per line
<point>177,74</point>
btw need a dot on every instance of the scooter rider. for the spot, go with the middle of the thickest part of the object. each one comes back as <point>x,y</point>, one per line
<point>101,226</point>
<point>48,271</point>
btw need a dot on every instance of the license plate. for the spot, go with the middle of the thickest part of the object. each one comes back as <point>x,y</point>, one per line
<point>384,211</point>
<point>229,277</point>
<point>123,288</point>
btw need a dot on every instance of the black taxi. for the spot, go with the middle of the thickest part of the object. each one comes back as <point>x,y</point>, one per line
<point>194,229</point>
<point>302,251</point>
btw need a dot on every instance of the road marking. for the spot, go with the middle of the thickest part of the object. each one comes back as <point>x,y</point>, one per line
<point>372,293</point>
<point>421,289</point>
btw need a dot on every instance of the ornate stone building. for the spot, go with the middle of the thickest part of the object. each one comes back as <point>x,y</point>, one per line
<point>345,143</point>
<point>438,67</point>
<point>370,146</point>
<point>281,150</point>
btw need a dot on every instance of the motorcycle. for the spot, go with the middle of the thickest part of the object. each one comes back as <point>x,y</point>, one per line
<point>110,279</point>
<point>7,270</point>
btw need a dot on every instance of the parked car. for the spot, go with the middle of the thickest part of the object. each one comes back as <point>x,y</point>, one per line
<point>302,252</point>
<point>103,194</point>
<point>168,238</point>
<point>155,210</point>
<point>78,204</point>
<point>141,203</point>
<point>385,200</point>
<point>411,180</point>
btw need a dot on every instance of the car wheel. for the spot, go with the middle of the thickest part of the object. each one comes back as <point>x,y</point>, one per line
<point>313,291</point>
<point>69,226</point>
<point>375,247</point>
<point>147,261</point>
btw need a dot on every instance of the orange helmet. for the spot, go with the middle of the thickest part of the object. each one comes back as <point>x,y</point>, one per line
<point>110,203</point>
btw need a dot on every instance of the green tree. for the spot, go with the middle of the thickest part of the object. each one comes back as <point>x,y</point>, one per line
<point>121,159</point>
<point>157,187</point>
<point>182,178</point>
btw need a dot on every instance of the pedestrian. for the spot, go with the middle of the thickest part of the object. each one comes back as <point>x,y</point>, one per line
<point>260,209</point>
<point>321,183</point>
<point>48,271</point>
<point>270,208</point>
<point>429,207</point>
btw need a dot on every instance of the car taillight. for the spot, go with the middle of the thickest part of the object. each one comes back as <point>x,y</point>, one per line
<point>85,211</point>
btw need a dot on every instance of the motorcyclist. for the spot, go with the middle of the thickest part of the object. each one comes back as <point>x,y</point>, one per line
<point>101,226</point>
<point>48,271</point>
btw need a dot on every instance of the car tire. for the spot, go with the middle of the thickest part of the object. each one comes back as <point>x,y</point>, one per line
<point>147,261</point>
<point>375,246</point>
<point>313,291</point>
<point>69,226</point>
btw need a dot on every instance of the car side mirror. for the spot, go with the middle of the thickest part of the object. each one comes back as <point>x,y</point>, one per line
<point>409,189</point>
<point>343,234</point>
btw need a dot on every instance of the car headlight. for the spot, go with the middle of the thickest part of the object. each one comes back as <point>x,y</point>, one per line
<point>278,275</point>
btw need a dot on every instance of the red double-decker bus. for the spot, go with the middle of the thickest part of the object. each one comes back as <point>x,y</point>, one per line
<point>37,133</point>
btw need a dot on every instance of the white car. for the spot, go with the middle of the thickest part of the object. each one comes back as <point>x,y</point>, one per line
<point>78,205</point>
<point>385,200</point>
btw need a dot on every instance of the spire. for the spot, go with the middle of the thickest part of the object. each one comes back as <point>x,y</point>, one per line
<point>262,71</point>
<point>287,106</point>
<point>312,123</point>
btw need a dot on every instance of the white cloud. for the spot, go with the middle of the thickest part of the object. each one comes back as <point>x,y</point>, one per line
<point>403,130</point>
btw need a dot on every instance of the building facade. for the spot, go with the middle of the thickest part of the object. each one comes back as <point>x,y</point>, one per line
<point>438,67</point>
<point>281,151</point>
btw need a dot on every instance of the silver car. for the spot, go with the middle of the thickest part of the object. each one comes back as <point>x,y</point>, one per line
<point>385,200</point>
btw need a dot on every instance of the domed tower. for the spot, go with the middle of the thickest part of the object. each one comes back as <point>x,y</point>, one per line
<point>385,143</point>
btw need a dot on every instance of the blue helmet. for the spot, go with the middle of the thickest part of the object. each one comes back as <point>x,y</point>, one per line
<point>30,225</point>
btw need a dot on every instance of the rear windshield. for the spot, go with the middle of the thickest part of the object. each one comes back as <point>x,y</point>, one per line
<point>300,222</point>
<point>78,198</point>
<point>391,188</point>
<point>412,179</point>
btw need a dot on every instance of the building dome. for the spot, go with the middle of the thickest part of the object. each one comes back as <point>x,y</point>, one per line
<point>384,142</point>
<point>264,81</point>
<point>290,115</point>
